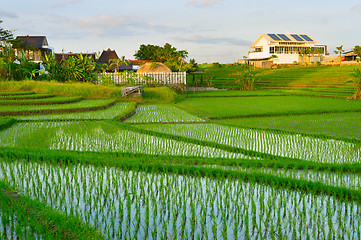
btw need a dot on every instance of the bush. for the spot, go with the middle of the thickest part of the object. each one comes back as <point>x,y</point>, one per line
<point>161,94</point>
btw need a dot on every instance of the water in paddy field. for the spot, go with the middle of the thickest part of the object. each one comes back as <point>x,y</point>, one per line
<point>106,137</point>
<point>278,144</point>
<point>128,204</point>
<point>101,137</point>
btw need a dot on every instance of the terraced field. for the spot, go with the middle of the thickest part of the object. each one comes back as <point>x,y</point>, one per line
<point>167,173</point>
<point>151,113</point>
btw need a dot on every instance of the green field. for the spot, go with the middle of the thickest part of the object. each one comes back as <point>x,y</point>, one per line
<point>275,163</point>
<point>214,108</point>
<point>338,125</point>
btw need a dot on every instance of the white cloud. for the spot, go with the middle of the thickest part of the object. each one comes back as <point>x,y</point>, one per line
<point>356,8</point>
<point>110,24</point>
<point>68,2</point>
<point>203,3</point>
<point>7,14</point>
<point>213,40</point>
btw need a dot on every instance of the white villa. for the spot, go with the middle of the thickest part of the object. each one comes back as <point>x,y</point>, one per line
<point>286,49</point>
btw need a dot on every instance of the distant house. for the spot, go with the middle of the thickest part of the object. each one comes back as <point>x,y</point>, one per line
<point>350,56</point>
<point>65,56</point>
<point>33,47</point>
<point>286,49</point>
<point>107,56</point>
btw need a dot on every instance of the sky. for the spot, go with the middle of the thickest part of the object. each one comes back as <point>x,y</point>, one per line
<point>210,30</point>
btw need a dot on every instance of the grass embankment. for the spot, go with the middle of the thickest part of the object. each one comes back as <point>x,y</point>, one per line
<point>6,122</point>
<point>161,112</point>
<point>341,126</point>
<point>46,101</point>
<point>314,80</point>
<point>218,108</point>
<point>129,111</point>
<point>28,217</point>
<point>82,106</point>
<point>10,90</point>
<point>309,80</point>
<point>86,90</point>
<point>9,93</point>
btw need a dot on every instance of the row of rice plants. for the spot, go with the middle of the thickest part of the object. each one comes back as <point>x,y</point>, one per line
<point>89,103</point>
<point>337,125</point>
<point>109,113</point>
<point>339,178</point>
<point>9,93</point>
<point>101,137</point>
<point>6,122</point>
<point>149,113</point>
<point>26,96</point>
<point>137,204</point>
<point>24,218</point>
<point>274,143</point>
<point>45,101</point>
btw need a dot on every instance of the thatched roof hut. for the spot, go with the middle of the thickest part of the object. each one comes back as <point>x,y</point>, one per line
<point>107,56</point>
<point>153,67</point>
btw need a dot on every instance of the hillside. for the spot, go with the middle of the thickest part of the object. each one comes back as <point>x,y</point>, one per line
<point>309,80</point>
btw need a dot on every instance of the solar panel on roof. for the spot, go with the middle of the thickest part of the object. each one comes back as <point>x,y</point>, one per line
<point>274,37</point>
<point>298,38</point>
<point>284,37</point>
<point>307,38</point>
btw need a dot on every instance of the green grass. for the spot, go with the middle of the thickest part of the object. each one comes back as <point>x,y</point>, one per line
<point>298,78</point>
<point>53,100</point>
<point>261,106</point>
<point>159,94</point>
<point>26,96</point>
<point>25,218</point>
<point>9,93</point>
<point>232,93</point>
<point>86,90</point>
<point>150,113</point>
<point>110,113</point>
<point>89,103</point>
<point>338,125</point>
<point>6,122</point>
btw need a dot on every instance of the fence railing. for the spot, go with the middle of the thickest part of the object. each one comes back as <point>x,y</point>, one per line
<point>122,78</point>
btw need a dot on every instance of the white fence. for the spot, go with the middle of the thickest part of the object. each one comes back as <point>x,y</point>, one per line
<point>166,78</point>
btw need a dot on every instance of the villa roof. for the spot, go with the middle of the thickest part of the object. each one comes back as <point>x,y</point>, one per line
<point>32,41</point>
<point>285,37</point>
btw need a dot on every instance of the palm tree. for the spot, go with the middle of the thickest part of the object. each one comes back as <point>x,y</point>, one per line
<point>339,50</point>
<point>117,62</point>
<point>302,52</point>
<point>356,75</point>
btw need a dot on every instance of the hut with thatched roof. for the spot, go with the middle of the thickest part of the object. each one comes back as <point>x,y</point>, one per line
<point>107,56</point>
<point>153,67</point>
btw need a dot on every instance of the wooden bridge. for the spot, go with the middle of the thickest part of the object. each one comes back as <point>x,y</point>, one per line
<point>136,90</point>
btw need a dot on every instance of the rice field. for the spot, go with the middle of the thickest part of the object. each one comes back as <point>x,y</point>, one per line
<point>166,173</point>
<point>150,113</point>
<point>100,136</point>
<point>274,143</point>
<point>337,125</point>
<point>108,113</point>
<point>82,104</point>
<point>141,205</point>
